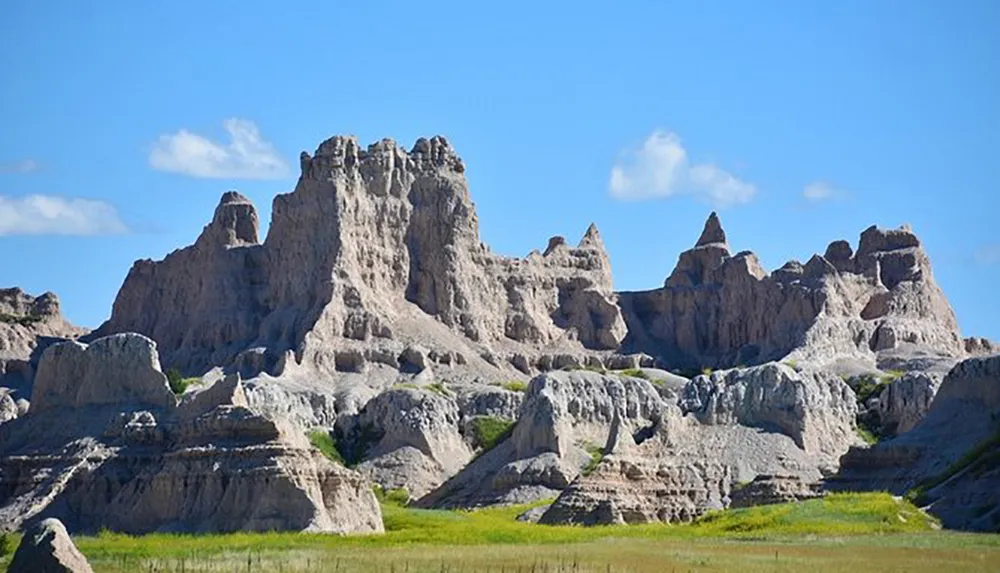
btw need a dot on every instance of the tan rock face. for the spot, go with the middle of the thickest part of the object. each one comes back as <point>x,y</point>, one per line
<point>731,427</point>
<point>814,408</point>
<point>47,548</point>
<point>105,444</point>
<point>661,463</point>
<point>27,325</point>
<point>721,310</point>
<point>118,369</point>
<point>368,237</point>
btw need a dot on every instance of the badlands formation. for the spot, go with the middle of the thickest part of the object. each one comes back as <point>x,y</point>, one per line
<point>373,315</point>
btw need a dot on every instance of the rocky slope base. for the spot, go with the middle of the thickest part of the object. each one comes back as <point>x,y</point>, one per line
<point>950,460</point>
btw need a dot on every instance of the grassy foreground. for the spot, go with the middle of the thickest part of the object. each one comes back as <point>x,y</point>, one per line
<point>842,532</point>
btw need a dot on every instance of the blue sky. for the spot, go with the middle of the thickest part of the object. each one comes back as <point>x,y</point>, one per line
<point>802,123</point>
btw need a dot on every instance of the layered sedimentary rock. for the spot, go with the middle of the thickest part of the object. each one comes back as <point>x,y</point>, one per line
<point>952,454</point>
<point>27,325</point>
<point>718,309</point>
<point>107,445</point>
<point>742,424</point>
<point>375,249</point>
<point>769,489</point>
<point>618,449</point>
<point>564,418</point>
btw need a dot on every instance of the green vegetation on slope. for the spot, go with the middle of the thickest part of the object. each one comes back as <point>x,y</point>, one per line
<point>178,383</point>
<point>635,373</point>
<point>397,497</point>
<point>488,431</point>
<point>983,456</point>
<point>514,386</point>
<point>596,456</point>
<point>6,543</point>
<point>324,442</point>
<point>21,319</point>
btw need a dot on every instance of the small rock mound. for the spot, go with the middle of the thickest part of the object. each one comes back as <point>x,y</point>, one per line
<point>47,548</point>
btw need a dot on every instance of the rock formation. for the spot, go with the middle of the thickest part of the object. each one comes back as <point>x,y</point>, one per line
<point>743,424</point>
<point>411,439</point>
<point>951,455</point>
<point>47,548</point>
<point>722,310</point>
<point>618,449</point>
<point>372,311</point>
<point>905,402</point>
<point>565,417</point>
<point>107,445</point>
<point>768,489</point>
<point>27,325</point>
<point>373,251</point>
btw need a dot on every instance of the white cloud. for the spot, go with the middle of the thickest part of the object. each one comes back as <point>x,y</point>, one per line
<point>23,166</point>
<point>819,191</point>
<point>660,168</point>
<point>50,215</point>
<point>245,156</point>
<point>988,255</point>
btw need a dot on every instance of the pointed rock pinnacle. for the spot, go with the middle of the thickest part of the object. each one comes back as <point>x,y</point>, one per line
<point>713,233</point>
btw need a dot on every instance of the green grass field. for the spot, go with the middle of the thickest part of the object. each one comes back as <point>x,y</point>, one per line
<point>843,532</point>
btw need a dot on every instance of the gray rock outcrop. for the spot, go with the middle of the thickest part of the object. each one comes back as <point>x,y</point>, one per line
<point>410,438</point>
<point>814,408</point>
<point>47,548</point>
<point>564,418</point>
<point>116,370</point>
<point>722,310</point>
<point>742,424</point>
<point>771,489</point>
<point>27,326</point>
<point>108,448</point>
<point>950,455</point>
<point>904,402</point>
<point>616,449</point>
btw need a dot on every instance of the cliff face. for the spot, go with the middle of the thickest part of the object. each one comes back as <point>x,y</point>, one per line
<point>370,247</point>
<point>377,250</point>
<point>717,309</point>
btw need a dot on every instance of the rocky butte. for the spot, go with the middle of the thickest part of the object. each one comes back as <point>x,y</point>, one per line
<point>373,314</point>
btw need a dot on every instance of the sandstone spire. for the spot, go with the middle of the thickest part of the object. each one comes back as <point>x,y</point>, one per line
<point>713,233</point>
<point>592,238</point>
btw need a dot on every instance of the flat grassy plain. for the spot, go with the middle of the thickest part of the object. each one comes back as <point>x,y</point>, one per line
<point>842,532</point>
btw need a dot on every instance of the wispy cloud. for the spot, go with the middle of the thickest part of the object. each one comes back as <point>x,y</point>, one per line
<point>52,215</point>
<point>23,166</point>
<point>245,156</point>
<point>988,254</point>
<point>820,191</point>
<point>660,168</point>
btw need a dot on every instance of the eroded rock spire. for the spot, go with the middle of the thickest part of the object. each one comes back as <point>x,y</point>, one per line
<point>712,233</point>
